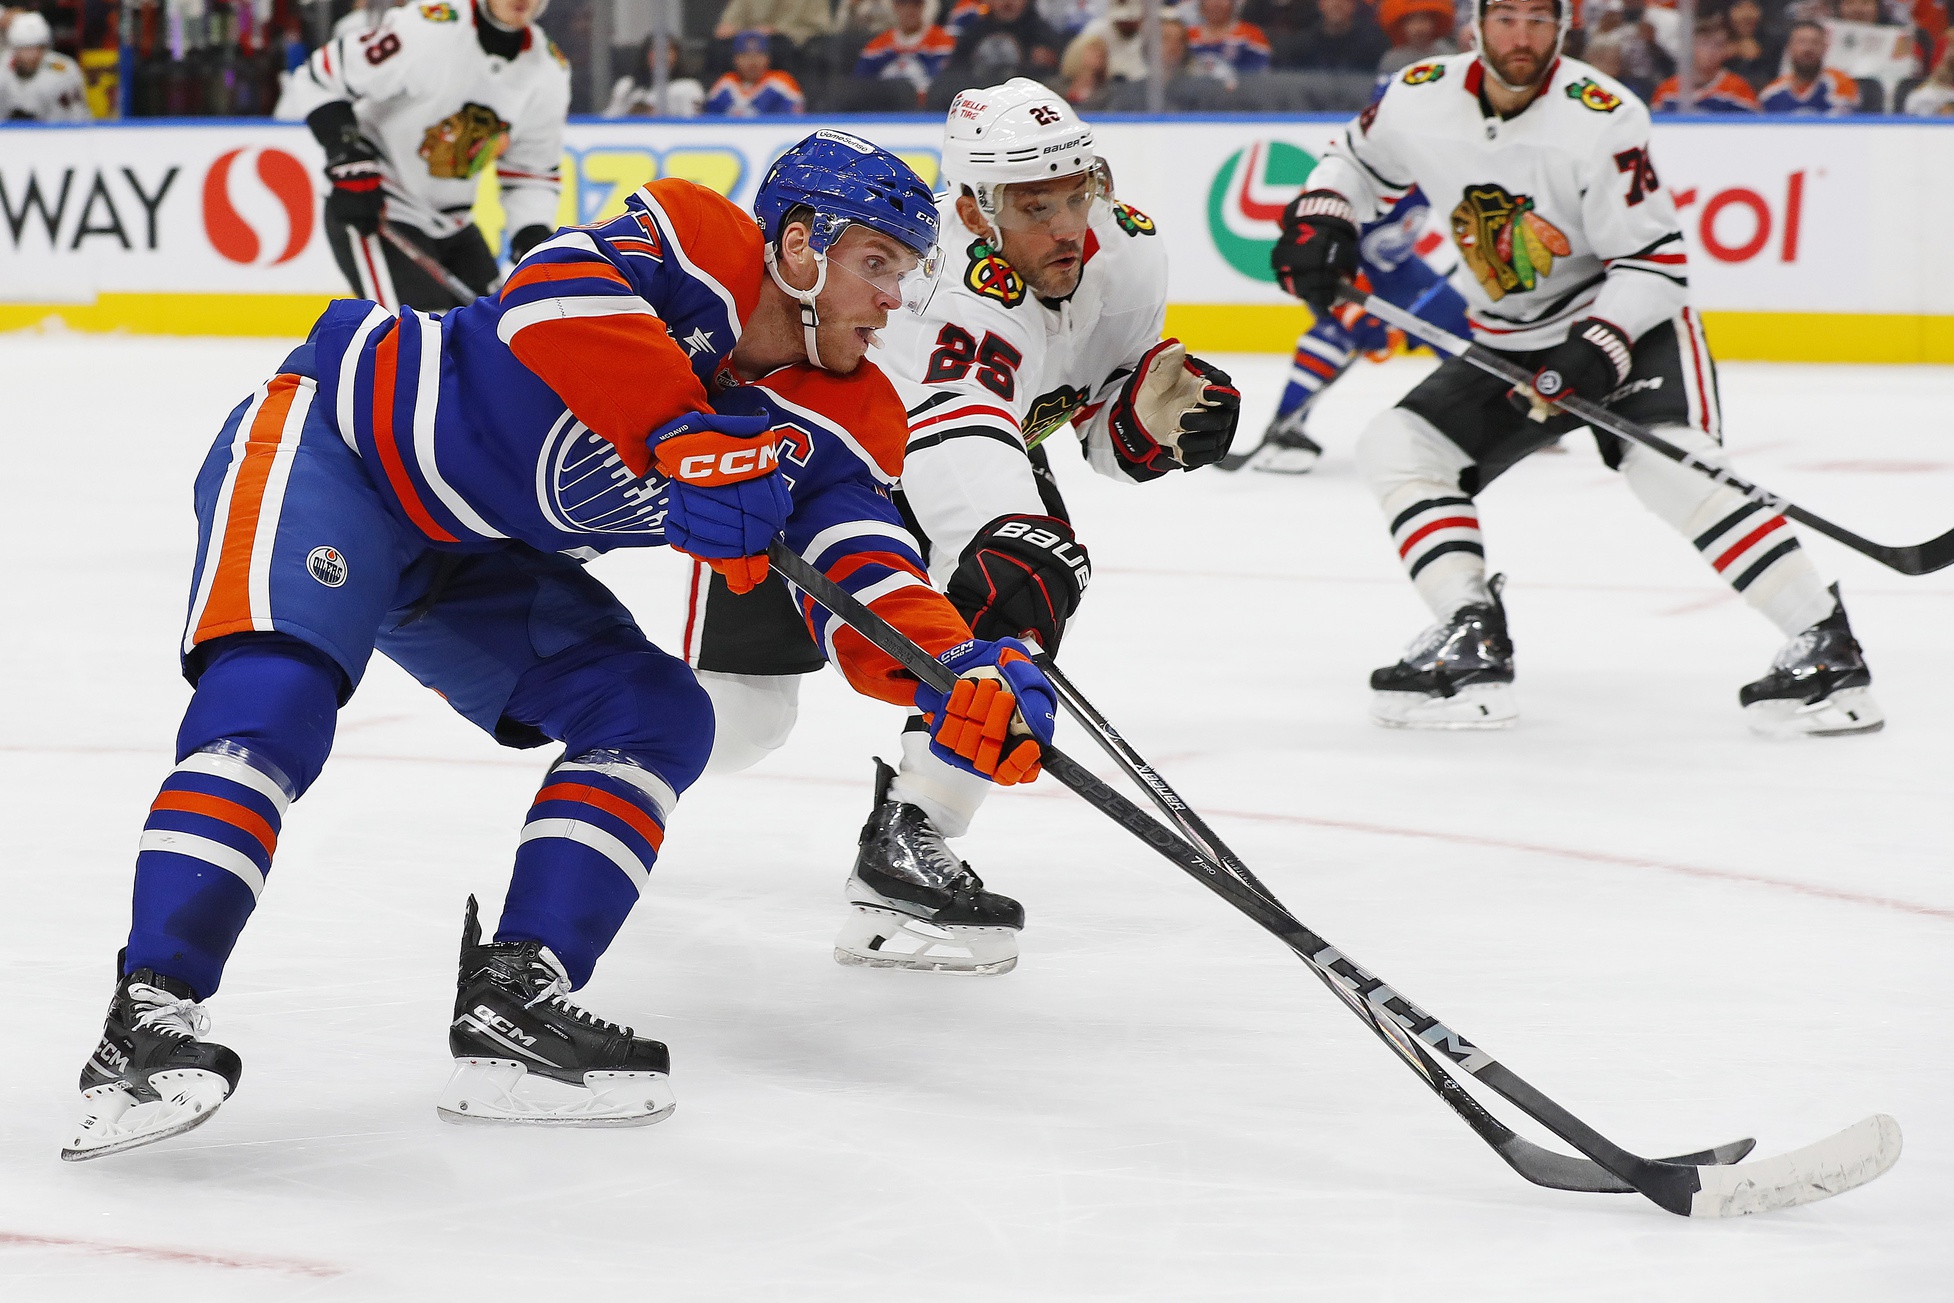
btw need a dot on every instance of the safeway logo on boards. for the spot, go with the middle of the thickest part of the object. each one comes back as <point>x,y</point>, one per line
<point>238,232</point>
<point>1246,200</point>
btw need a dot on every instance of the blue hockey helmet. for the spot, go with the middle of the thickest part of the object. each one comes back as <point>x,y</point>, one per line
<point>843,179</point>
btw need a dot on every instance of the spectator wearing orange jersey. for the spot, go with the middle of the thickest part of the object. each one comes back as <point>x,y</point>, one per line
<point>914,50</point>
<point>1223,47</point>
<point>1810,87</point>
<point>754,88</point>
<point>1718,90</point>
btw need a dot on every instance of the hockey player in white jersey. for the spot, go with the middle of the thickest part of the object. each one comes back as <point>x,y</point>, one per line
<point>1573,267</point>
<point>1049,313</point>
<point>410,113</point>
<point>38,84</point>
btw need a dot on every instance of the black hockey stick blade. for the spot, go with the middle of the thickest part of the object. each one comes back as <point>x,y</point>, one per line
<point>1539,1165</point>
<point>1913,559</point>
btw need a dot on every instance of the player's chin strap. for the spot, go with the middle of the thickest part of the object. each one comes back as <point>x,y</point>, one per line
<point>810,318</point>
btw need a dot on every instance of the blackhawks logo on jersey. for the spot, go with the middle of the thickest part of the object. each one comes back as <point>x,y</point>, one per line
<point>440,13</point>
<point>1593,96</point>
<point>1509,247</point>
<point>1050,411</point>
<point>1132,220</point>
<point>462,144</point>
<point>993,277</point>
<point>1420,73</point>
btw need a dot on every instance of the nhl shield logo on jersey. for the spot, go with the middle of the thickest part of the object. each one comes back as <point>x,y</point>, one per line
<point>1509,247</point>
<point>1418,74</point>
<point>1592,95</point>
<point>1132,220</point>
<point>463,143</point>
<point>993,277</point>
<point>327,565</point>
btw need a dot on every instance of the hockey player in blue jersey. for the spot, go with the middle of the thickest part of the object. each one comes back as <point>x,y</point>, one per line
<point>1395,272</point>
<point>428,486</point>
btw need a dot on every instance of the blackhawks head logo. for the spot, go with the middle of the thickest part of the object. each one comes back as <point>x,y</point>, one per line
<point>1509,247</point>
<point>993,277</point>
<point>1132,220</point>
<point>462,144</point>
<point>1593,96</point>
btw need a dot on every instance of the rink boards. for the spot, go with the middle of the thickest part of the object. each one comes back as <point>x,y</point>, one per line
<point>1809,240</point>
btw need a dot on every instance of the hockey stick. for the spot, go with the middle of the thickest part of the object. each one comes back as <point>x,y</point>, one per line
<point>1831,1166</point>
<point>462,292</point>
<point>1918,559</point>
<point>1541,1166</point>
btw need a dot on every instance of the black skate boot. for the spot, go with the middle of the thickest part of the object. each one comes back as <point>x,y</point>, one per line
<point>524,1053</point>
<point>1818,686</point>
<point>914,904</point>
<point>150,1077</point>
<point>1457,674</point>
<point>1284,450</point>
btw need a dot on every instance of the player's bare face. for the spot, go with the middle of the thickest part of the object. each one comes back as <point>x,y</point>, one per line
<point>1520,37</point>
<point>865,271</point>
<point>1042,230</point>
<point>514,14</point>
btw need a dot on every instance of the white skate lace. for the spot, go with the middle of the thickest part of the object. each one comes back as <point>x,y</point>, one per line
<point>939,854</point>
<point>1796,652</point>
<point>555,996</point>
<point>157,1008</point>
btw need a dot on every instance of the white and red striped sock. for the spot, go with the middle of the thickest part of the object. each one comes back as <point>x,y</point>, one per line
<point>1435,529</point>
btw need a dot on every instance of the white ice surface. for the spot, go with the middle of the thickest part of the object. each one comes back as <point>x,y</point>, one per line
<point>1683,933</point>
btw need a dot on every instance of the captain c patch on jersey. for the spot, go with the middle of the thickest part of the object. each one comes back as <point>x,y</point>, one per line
<point>1509,247</point>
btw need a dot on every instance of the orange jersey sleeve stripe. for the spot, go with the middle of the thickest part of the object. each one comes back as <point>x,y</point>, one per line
<point>229,607</point>
<point>597,798</point>
<point>925,616</point>
<point>848,565</point>
<point>240,817</point>
<point>538,273</point>
<point>624,376</point>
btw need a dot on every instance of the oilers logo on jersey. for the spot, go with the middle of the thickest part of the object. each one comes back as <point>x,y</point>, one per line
<point>586,488</point>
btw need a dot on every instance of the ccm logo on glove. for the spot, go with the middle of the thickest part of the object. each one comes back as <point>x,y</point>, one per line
<point>712,459</point>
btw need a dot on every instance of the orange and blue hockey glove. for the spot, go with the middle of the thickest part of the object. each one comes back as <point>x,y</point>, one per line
<point>726,500</point>
<point>995,722</point>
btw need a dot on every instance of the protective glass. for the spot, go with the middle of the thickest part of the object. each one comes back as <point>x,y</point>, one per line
<point>915,284</point>
<point>1060,205</point>
<point>1507,18</point>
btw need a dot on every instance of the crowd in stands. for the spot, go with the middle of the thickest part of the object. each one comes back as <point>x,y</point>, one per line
<point>753,57</point>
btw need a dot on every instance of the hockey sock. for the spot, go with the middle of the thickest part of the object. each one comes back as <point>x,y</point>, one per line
<point>1322,354</point>
<point>1414,471</point>
<point>254,738</point>
<point>1750,545</point>
<point>587,848</point>
<point>637,729</point>
<point>948,795</point>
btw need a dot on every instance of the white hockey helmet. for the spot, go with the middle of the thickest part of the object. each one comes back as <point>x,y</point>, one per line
<point>1020,131</point>
<point>29,29</point>
<point>1563,11</point>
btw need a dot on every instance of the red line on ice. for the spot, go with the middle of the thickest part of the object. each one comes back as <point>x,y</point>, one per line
<point>297,1266</point>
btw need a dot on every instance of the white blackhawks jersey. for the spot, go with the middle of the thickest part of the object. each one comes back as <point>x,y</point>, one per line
<point>55,93</point>
<point>989,369</point>
<point>440,109</point>
<point>1556,212</point>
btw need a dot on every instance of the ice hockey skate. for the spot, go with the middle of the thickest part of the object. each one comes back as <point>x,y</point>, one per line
<point>913,904</point>
<point>1818,686</point>
<point>1458,674</point>
<point>525,1054</point>
<point>1284,450</point>
<point>150,1077</point>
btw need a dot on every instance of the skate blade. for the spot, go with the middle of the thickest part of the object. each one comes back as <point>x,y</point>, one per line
<point>885,938</point>
<point>1483,706</point>
<point>504,1092</point>
<point>1844,713</point>
<point>1284,461</point>
<point>112,1120</point>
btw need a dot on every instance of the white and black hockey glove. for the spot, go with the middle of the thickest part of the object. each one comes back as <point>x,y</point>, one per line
<point>1173,411</point>
<point>1317,251</point>
<point>1021,577</point>
<point>352,166</point>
